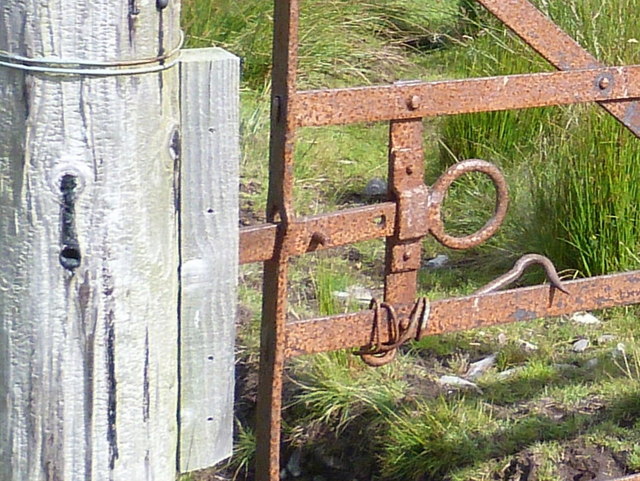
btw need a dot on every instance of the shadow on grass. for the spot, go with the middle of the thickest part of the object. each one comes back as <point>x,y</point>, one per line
<point>440,437</point>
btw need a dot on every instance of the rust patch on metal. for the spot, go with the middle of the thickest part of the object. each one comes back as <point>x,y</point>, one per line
<point>257,243</point>
<point>450,97</point>
<point>412,212</point>
<point>279,208</point>
<point>406,185</point>
<point>457,314</point>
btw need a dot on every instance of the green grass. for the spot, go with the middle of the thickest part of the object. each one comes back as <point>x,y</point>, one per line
<point>432,437</point>
<point>577,204</point>
<point>450,438</point>
<point>336,389</point>
<point>243,451</point>
<point>594,205</point>
<point>341,42</point>
<point>555,400</point>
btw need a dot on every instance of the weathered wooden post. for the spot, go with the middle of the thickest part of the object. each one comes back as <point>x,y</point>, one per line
<point>118,243</point>
<point>89,144</point>
<point>209,80</point>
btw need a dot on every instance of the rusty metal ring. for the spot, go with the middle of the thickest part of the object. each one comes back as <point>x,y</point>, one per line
<point>438,194</point>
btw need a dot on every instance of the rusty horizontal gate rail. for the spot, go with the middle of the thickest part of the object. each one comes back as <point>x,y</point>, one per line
<point>414,209</point>
<point>523,304</point>
<point>316,108</point>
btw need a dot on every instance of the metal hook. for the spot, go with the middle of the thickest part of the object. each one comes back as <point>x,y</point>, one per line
<point>518,269</point>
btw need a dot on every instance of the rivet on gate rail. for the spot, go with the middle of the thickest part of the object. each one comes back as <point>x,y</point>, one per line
<point>415,102</point>
<point>605,81</point>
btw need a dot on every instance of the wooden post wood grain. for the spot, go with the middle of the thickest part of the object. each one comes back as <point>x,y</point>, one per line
<point>88,244</point>
<point>209,237</point>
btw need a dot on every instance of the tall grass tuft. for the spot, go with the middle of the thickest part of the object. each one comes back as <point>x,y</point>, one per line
<point>430,440</point>
<point>336,389</point>
<point>244,450</point>
<point>581,166</point>
<point>597,191</point>
<point>341,42</point>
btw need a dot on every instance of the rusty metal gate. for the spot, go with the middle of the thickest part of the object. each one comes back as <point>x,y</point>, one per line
<point>414,209</point>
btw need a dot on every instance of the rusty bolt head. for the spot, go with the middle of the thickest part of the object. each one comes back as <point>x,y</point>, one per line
<point>406,256</point>
<point>414,102</point>
<point>604,83</point>
<point>409,170</point>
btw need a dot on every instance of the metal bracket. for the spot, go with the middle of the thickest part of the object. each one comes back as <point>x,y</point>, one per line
<point>413,220</point>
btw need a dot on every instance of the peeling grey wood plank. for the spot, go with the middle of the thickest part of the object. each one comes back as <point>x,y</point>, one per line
<point>88,354</point>
<point>209,254</point>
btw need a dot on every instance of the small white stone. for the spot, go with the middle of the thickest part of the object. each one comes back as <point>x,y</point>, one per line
<point>458,382</point>
<point>438,262</point>
<point>376,188</point>
<point>606,338</point>
<point>580,345</point>
<point>502,339</point>
<point>293,466</point>
<point>360,294</point>
<point>509,372</point>
<point>592,363</point>
<point>585,318</point>
<point>478,368</point>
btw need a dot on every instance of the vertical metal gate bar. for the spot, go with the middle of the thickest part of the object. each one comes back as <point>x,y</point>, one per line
<point>269,404</point>
<point>406,181</point>
<point>279,208</point>
<point>283,79</point>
